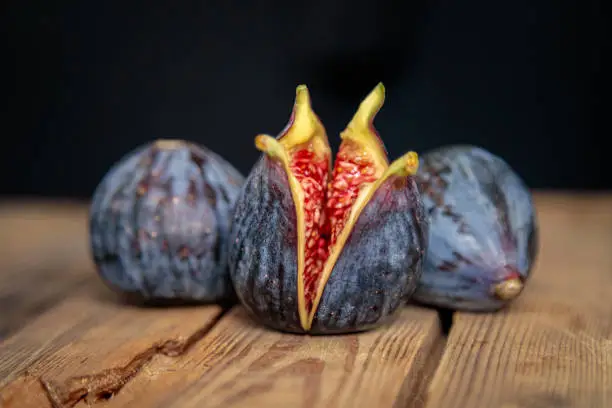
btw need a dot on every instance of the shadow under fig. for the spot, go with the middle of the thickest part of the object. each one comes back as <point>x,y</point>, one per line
<point>446,319</point>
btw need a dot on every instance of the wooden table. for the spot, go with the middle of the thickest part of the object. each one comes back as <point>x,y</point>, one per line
<point>68,342</point>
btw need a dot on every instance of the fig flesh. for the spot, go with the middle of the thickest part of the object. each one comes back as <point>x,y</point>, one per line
<point>159,222</point>
<point>321,247</point>
<point>483,235</point>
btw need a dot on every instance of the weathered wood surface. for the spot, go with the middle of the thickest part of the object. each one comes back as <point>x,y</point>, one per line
<point>552,348</point>
<point>44,257</point>
<point>88,347</point>
<point>240,364</point>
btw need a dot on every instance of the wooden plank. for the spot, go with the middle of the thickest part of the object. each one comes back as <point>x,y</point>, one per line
<point>88,347</point>
<point>92,350</point>
<point>44,256</point>
<point>240,364</point>
<point>553,347</point>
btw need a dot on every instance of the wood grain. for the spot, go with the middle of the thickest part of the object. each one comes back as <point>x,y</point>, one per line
<point>240,364</point>
<point>88,347</point>
<point>43,257</point>
<point>91,348</point>
<point>553,347</point>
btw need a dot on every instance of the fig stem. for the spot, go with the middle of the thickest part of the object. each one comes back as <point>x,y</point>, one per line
<point>508,289</point>
<point>168,144</point>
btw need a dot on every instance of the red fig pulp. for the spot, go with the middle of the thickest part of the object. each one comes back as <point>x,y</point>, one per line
<point>328,201</point>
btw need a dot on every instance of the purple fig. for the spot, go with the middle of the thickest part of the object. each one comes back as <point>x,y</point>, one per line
<point>319,251</point>
<point>483,235</point>
<point>159,222</point>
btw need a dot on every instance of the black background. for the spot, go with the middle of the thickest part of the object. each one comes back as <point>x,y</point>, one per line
<point>85,82</point>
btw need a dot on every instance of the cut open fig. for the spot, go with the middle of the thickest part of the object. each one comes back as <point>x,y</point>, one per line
<point>327,247</point>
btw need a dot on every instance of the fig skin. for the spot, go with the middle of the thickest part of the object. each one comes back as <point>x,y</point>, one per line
<point>159,221</point>
<point>483,235</point>
<point>376,271</point>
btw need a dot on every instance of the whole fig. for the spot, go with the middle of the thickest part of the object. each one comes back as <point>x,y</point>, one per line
<point>159,222</point>
<point>321,250</point>
<point>483,236</point>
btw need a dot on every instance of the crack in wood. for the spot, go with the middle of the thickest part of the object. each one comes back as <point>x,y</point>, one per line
<point>103,385</point>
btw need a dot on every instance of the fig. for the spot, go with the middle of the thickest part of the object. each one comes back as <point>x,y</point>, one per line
<point>483,232</point>
<point>319,249</point>
<point>159,222</point>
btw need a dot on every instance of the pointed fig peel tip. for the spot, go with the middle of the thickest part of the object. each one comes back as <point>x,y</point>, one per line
<point>368,108</point>
<point>270,146</point>
<point>411,163</point>
<point>302,96</point>
<point>405,166</point>
<point>361,131</point>
<point>304,125</point>
<point>302,107</point>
